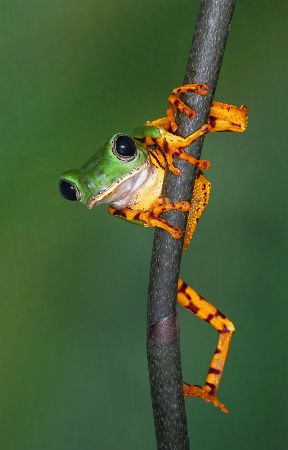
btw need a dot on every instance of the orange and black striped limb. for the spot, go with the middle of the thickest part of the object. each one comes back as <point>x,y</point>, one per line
<point>192,301</point>
<point>222,117</point>
<point>151,217</point>
<point>172,145</point>
<point>200,198</point>
<point>177,104</point>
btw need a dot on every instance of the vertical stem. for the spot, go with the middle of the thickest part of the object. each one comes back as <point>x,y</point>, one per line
<point>163,343</point>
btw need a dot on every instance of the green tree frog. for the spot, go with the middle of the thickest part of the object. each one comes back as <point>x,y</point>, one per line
<point>128,174</point>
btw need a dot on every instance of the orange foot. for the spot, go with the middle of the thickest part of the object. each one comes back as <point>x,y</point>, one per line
<point>205,392</point>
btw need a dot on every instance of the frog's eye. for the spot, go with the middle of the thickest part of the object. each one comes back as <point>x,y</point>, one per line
<point>69,190</point>
<point>124,147</point>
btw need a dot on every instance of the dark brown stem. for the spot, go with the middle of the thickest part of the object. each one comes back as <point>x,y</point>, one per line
<point>163,344</point>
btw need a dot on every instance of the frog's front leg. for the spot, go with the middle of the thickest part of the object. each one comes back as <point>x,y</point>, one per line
<point>151,217</point>
<point>191,300</point>
<point>222,117</point>
<point>177,104</point>
<point>173,145</point>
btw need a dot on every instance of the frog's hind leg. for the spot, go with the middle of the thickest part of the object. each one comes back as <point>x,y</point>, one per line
<point>191,300</point>
<point>224,117</point>
<point>200,198</point>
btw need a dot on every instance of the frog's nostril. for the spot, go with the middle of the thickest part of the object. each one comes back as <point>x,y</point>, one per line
<point>68,190</point>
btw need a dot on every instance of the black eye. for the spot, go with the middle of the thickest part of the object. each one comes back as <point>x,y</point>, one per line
<point>124,147</point>
<point>68,190</point>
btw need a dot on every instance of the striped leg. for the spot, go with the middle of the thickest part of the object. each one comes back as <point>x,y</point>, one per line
<point>225,117</point>
<point>176,103</point>
<point>191,300</point>
<point>173,145</point>
<point>222,117</point>
<point>151,217</point>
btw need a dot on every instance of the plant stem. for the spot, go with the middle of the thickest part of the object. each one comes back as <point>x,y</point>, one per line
<point>163,343</point>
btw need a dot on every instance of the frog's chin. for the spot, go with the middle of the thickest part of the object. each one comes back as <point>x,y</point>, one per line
<point>120,193</point>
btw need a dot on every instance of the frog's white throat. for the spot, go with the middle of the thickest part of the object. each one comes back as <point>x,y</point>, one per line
<point>123,192</point>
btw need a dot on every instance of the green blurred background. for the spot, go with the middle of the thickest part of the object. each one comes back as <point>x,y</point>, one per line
<point>74,281</point>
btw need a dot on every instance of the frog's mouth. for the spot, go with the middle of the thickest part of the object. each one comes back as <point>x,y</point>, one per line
<point>123,189</point>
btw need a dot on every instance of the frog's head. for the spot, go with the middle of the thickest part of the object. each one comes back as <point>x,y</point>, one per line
<point>102,175</point>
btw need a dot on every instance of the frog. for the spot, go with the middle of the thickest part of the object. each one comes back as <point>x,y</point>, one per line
<point>128,174</point>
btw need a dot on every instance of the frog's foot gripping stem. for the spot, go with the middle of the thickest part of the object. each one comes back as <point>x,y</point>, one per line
<point>222,117</point>
<point>173,145</point>
<point>191,300</point>
<point>160,206</point>
<point>177,104</point>
<point>151,217</point>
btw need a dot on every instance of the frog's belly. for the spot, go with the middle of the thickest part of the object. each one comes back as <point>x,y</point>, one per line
<point>148,192</point>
